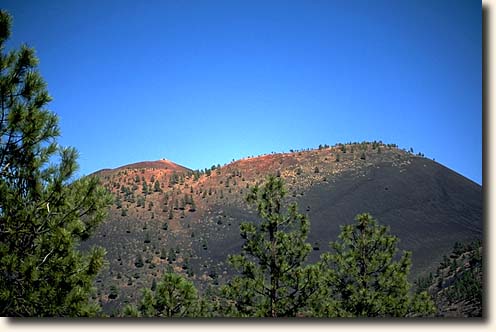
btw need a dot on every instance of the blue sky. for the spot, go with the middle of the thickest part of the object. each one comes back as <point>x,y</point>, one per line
<point>205,82</point>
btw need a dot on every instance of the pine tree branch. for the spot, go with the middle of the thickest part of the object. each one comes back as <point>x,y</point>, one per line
<point>44,259</point>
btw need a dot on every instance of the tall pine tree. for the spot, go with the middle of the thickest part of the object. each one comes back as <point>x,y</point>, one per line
<point>363,278</point>
<point>273,280</point>
<point>44,212</point>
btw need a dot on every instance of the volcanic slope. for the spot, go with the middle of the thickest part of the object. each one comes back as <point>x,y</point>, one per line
<point>166,216</point>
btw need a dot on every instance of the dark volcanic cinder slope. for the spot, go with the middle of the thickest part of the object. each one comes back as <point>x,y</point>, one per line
<point>428,206</point>
<point>169,217</point>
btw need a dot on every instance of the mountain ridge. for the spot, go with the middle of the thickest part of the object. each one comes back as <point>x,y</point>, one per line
<point>188,220</point>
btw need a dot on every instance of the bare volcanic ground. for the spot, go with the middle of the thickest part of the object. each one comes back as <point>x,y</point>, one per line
<point>426,205</point>
<point>190,222</point>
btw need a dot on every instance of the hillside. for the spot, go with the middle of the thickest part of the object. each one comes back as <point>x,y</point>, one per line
<point>166,216</point>
<point>456,285</point>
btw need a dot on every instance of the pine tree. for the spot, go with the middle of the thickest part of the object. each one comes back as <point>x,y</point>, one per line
<point>139,261</point>
<point>174,296</point>
<point>363,277</point>
<point>192,207</point>
<point>118,202</point>
<point>156,186</point>
<point>114,292</point>
<point>44,211</point>
<point>147,237</point>
<point>273,280</point>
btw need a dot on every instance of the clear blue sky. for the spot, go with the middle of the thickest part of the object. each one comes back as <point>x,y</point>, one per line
<point>205,82</point>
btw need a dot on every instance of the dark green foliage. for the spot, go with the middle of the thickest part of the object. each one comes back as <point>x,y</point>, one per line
<point>156,187</point>
<point>147,237</point>
<point>174,296</point>
<point>363,278</point>
<point>172,256</point>
<point>467,287</point>
<point>141,201</point>
<point>423,283</point>
<point>44,212</point>
<point>192,207</point>
<point>445,262</point>
<point>273,280</point>
<point>114,292</point>
<point>458,249</point>
<point>174,179</point>
<point>139,261</point>
<point>163,253</point>
<point>459,280</point>
<point>118,202</point>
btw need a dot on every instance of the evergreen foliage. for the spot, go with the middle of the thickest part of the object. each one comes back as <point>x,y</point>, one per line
<point>363,277</point>
<point>156,186</point>
<point>273,280</point>
<point>139,261</point>
<point>174,296</point>
<point>458,281</point>
<point>44,211</point>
